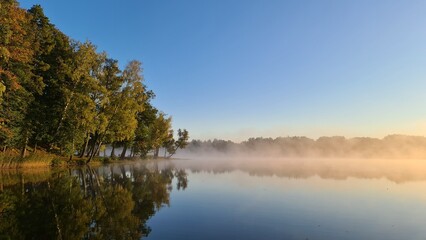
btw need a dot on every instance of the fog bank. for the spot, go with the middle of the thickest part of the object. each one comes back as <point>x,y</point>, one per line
<point>392,146</point>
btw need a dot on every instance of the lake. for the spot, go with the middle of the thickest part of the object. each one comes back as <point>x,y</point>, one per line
<point>219,199</point>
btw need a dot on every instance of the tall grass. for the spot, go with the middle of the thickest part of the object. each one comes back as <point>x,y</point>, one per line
<point>11,160</point>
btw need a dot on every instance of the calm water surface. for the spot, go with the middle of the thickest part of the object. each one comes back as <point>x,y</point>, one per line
<point>191,199</point>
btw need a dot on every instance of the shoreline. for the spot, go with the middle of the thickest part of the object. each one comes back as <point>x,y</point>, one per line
<point>11,161</point>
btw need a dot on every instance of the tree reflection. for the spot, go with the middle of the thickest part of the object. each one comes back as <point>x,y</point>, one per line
<point>106,203</point>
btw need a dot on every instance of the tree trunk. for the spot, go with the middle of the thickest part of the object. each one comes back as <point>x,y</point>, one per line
<point>85,146</point>
<point>98,150</point>
<point>24,148</point>
<point>123,153</point>
<point>72,150</point>
<point>89,152</point>
<point>112,155</point>
<point>174,151</point>
<point>64,112</point>
<point>101,137</point>
<point>94,152</point>
<point>131,152</point>
<point>92,145</point>
<point>90,158</point>
<point>156,153</point>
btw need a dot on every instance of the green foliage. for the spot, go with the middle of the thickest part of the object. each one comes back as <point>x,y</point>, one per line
<point>146,119</point>
<point>16,54</point>
<point>172,145</point>
<point>65,97</point>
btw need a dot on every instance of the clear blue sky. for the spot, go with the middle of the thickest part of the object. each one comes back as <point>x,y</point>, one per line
<point>233,69</point>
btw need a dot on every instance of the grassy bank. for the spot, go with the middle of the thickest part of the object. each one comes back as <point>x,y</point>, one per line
<point>11,159</point>
<point>41,159</point>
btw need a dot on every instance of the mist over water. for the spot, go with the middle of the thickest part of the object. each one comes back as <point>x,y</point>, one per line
<point>397,158</point>
<point>391,146</point>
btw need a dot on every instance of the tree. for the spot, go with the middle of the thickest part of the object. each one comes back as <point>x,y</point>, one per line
<point>63,96</point>
<point>53,51</point>
<point>182,141</point>
<point>160,132</point>
<point>124,105</point>
<point>16,54</point>
<point>142,142</point>
<point>109,83</point>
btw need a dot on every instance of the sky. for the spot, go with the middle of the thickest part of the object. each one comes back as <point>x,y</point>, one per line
<point>234,69</point>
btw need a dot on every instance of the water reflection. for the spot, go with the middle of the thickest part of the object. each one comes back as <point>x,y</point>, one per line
<point>395,170</point>
<point>296,199</point>
<point>111,202</point>
<point>312,198</point>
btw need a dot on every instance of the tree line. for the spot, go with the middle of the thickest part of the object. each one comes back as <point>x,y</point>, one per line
<point>65,97</point>
<point>391,146</point>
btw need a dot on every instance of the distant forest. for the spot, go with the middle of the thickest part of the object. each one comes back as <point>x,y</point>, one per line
<point>63,96</point>
<point>392,146</point>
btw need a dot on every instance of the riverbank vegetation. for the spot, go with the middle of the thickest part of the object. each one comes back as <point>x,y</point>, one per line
<point>63,97</point>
